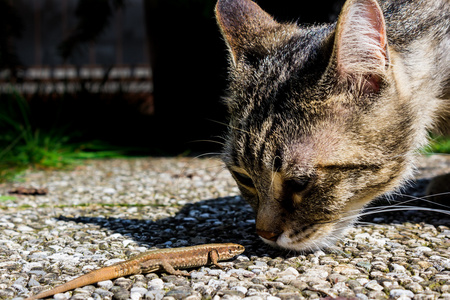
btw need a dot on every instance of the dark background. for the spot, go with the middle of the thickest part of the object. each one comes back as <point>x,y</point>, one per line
<point>186,53</point>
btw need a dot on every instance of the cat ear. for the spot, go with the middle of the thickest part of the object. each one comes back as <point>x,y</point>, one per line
<point>361,44</point>
<point>241,21</point>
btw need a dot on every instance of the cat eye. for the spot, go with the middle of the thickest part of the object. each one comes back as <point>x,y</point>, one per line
<point>243,179</point>
<point>297,185</point>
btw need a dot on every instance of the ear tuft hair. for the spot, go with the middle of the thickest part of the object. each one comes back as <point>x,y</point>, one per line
<point>361,51</point>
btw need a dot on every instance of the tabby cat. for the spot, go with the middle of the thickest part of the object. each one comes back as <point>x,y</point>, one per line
<point>325,118</point>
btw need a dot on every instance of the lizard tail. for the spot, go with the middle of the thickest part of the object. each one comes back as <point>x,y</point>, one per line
<point>92,277</point>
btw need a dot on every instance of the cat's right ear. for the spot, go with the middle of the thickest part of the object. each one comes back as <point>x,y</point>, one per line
<point>361,50</point>
<point>241,22</point>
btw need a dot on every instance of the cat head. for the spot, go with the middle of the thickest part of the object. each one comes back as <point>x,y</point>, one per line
<point>315,131</point>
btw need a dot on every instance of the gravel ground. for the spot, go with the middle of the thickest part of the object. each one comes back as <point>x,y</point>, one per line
<point>106,211</point>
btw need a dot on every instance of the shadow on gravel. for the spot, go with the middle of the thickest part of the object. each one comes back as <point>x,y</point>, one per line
<point>411,205</point>
<point>230,219</point>
<point>220,220</point>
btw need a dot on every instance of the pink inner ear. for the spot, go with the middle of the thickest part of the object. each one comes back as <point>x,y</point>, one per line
<point>361,43</point>
<point>377,20</point>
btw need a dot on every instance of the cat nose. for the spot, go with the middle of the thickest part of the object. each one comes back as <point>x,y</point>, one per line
<point>268,235</point>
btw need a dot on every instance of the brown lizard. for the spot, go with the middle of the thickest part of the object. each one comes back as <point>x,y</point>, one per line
<point>151,261</point>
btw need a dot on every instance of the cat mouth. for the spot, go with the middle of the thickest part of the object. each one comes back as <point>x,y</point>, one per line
<point>309,238</point>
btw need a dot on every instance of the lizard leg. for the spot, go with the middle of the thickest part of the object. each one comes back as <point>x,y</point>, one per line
<point>214,257</point>
<point>169,269</point>
<point>161,264</point>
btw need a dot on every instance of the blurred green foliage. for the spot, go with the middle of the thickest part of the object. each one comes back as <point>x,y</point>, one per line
<point>24,145</point>
<point>438,144</point>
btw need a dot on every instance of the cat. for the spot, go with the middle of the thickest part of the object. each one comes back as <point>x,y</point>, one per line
<point>325,118</point>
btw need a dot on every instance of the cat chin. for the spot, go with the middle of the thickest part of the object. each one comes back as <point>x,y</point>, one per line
<point>307,246</point>
<point>326,237</point>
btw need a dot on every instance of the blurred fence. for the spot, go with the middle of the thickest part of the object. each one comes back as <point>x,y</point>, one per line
<point>71,79</point>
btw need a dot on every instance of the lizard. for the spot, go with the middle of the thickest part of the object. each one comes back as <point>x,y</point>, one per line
<point>151,261</point>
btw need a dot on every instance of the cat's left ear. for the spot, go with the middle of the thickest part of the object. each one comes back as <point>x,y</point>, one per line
<point>241,23</point>
<point>360,48</point>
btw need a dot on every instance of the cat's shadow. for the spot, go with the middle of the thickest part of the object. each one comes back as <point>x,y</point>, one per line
<point>410,205</point>
<point>230,219</point>
<point>219,220</point>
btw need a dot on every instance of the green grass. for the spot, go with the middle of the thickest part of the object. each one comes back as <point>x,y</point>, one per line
<point>438,145</point>
<point>6,198</point>
<point>23,145</point>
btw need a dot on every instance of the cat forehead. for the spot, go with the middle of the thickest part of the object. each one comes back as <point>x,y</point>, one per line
<point>290,75</point>
<point>282,50</point>
<point>276,145</point>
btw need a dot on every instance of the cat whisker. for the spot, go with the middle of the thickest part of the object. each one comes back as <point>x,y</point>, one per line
<point>213,154</point>
<point>397,208</point>
<point>364,223</point>
<point>424,198</point>
<point>218,122</point>
<point>209,141</point>
<point>402,202</point>
<point>235,128</point>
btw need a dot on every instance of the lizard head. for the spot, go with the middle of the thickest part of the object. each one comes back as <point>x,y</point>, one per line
<point>229,250</point>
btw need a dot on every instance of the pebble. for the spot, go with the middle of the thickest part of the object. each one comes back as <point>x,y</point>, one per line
<point>109,191</point>
<point>397,293</point>
<point>107,284</point>
<point>175,202</point>
<point>289,271</point>
<point>373,285</point>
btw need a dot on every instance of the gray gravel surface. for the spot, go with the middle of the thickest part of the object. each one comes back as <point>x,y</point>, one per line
<point>106,211</point>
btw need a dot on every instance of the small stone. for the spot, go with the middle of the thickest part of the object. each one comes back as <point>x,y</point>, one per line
<point>106,284</point>
<point>289,271</point>
<point>109,191</point>
<point>104,293</point>
<point>365,265</point>
<point>396,293</point>
<point>346,270</point>
<point>335,278</point>
<point>217,284</point>
<point>398,268</point>
<point>156,284</point>
<point>33,282</point>
<point>25,228</point>
<point>376,295</point>
<point>286,279</point>
<point>422,249</point>
<point>299,284</point>
<point>240,289</point>
<point>424,264</point>
<point>179,293</point>
<point>121,294</point>
<point>154,295</point>
<point>353,284</point>
<point>361,297</point>
<point>415,287</point>
<point>123,283</point>
<point>373,286</point>
<point>139,290</point>
<point>275,284</point>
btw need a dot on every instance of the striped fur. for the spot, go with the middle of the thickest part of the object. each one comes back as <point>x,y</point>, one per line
<point>325,118</point>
